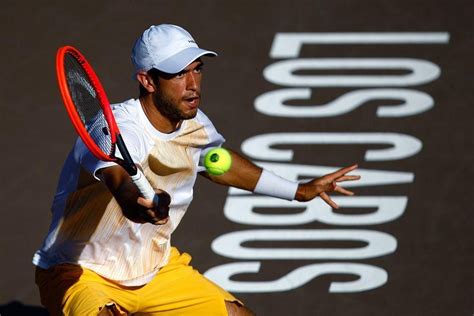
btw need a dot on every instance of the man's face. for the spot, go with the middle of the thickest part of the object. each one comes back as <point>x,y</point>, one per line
<point>178,96</point>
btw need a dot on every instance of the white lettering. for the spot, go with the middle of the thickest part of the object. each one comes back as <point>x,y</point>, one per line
<point>230,244</point>
<point>288,45</point>
<point>272,103</point>
<point>370,277</point>
<point>241,209</point>
<point>403,146</point>
<point>283,72</point>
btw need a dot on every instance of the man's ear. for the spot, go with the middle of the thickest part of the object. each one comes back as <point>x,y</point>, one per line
<point>146,82</point>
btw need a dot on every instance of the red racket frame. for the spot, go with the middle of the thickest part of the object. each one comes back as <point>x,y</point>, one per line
<point>71,108</point>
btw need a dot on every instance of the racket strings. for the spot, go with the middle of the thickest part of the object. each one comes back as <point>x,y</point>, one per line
<point>88,104</point>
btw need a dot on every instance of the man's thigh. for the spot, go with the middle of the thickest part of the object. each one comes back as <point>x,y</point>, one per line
<point>67,289</point>
<point>179,289</point>
<point>88,299</point>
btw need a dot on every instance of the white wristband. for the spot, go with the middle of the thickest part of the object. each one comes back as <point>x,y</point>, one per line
<point>273,185</point>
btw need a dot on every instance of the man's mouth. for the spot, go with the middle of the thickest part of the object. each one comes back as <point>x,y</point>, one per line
<point>192,101</point>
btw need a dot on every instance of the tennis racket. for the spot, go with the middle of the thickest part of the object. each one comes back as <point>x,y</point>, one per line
<point>90,112</point>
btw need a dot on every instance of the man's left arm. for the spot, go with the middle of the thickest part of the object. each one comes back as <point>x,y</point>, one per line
<point>244,174</point>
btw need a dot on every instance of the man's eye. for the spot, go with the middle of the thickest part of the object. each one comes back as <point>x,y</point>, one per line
<point>180,75</point>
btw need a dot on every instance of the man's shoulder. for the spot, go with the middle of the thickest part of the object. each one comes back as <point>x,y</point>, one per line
<point>127,112</point>
<point>127,108</point>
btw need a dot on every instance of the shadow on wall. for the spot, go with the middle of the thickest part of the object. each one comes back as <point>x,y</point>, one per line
<point>16,308</point>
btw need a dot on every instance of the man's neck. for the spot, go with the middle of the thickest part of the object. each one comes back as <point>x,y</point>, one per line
<point>156,118</point>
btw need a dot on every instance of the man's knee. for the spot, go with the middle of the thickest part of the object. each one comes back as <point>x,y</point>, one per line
<point>111,309</point>
<point>235,309</point>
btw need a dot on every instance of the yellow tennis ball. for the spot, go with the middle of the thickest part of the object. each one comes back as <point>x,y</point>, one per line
<point>217,161</point>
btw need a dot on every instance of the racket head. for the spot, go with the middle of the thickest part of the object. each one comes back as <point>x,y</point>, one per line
<point>86,103</point>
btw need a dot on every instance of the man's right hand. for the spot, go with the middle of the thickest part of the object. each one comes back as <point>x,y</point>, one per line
<point>134,207</point>
<point>155,214</point>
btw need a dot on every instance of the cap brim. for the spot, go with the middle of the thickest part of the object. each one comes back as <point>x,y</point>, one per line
<point>181,60</point>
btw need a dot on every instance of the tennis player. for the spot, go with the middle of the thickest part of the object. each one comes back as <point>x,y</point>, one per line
<point>108,251</point>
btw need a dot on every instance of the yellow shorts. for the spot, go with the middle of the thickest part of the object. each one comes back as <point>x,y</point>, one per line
<point>177,289</point>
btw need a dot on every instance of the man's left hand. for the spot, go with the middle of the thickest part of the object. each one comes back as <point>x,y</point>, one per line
<point>326,184</point>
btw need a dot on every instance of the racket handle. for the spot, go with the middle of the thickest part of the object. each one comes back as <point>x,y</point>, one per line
<point>144,186</point>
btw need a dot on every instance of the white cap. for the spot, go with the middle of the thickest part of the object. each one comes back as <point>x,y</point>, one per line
<point>166,47</point>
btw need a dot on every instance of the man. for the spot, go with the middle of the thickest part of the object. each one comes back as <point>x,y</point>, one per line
<point>108,249</point>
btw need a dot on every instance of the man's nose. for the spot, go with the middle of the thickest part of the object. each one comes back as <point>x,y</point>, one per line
<point>192,82</point>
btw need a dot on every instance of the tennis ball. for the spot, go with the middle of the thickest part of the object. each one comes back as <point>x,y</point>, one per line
<point>217,161</point>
